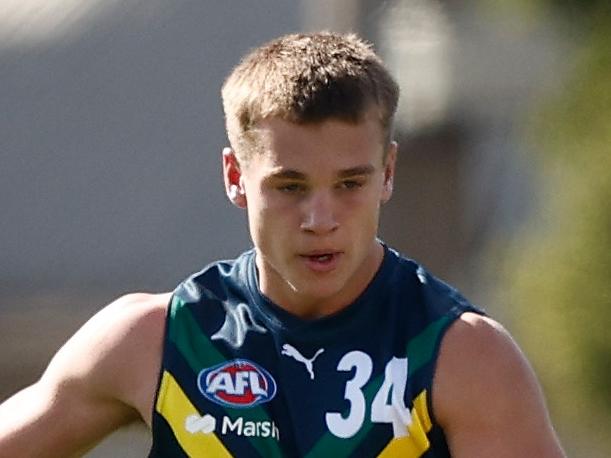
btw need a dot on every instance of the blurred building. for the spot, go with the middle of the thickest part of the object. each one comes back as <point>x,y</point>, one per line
<point>469,75</point>
<point>111,131</point>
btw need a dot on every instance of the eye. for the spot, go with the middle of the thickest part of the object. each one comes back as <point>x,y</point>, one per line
<point>291,188</point>
<point>351,184</point>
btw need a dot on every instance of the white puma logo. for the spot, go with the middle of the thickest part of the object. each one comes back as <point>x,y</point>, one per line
<point>291,351</point>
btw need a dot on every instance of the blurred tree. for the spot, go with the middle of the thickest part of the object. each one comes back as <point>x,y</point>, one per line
<point>558,269</point>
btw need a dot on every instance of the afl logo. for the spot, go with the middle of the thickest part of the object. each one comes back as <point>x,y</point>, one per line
<point>237,383</point>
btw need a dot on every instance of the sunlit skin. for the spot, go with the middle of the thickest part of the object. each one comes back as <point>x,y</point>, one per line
<point>313,200</point>
<point>313,194</point>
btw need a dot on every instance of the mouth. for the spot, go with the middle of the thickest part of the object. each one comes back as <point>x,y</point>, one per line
<point>321,261</point>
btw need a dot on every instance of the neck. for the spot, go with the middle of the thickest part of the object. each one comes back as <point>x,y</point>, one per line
<point>311,306</point>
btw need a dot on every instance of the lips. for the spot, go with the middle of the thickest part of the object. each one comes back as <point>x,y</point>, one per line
<point>322,257</point>
<point>321,260</point>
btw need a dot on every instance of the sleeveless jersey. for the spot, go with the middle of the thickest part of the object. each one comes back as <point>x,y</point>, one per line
<point>242,377</point>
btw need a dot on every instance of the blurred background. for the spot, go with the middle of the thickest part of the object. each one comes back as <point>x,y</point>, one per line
<point>111,131</point>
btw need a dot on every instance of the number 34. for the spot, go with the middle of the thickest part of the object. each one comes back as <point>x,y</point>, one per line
<point>382,411</point>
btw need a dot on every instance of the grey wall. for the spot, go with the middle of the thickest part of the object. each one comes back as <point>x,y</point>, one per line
<point>110,143</point>
<point>111,132</point>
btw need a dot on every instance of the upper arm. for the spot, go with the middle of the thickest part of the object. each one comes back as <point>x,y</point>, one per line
<point>486,396</point>
<point>99,380</point>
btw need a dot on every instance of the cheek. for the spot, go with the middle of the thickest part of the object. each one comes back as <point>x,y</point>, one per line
<point>269,223</point>
<point>361,206</point>
<point>361,219</point>
<point>277,209</point>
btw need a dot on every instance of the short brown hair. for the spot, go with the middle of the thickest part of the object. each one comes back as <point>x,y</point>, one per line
<point>307,78</point>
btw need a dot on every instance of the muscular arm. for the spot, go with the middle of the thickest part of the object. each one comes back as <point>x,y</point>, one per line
<point>486,396</point>
<point>102,378</point>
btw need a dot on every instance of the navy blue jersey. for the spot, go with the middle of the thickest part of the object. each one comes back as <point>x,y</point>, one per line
<point>242,377</point>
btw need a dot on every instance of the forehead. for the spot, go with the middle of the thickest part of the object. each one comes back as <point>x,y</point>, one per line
<point>317,148</point>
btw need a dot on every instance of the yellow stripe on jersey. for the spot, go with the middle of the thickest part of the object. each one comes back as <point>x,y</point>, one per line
<point>416,442</point>
<point>175,407</point>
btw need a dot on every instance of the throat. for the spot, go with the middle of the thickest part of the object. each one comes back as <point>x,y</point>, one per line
<point>317,284</point>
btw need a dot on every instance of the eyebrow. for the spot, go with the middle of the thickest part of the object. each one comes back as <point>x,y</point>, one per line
<point>358,170</point>
<point>290,174</point>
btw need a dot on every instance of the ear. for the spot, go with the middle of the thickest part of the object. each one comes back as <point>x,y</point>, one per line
<point>232,176</point>
<point>389,171</point>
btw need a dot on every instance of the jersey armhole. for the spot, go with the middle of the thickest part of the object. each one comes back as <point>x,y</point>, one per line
<point>454,314</point>
<point>166,329</point>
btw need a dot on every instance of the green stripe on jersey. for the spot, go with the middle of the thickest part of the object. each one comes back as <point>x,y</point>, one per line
<point>421,348</point>
<point>185,333</point>
<point>420,351</point>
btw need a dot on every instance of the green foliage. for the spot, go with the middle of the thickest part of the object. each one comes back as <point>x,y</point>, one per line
<point>571,8</point>
<point>559,269</point>
<point>578,12</point>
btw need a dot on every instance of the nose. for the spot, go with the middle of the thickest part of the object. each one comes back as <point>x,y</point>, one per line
<point>319,214</point>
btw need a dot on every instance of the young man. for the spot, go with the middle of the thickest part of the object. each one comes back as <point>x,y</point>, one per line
<point>321,341</point>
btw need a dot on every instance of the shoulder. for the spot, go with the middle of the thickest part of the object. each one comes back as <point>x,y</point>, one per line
<point>103,377</point>
<point>116,353</point>
<point>129,315</point>
<point>130,318</point>
<point>477,333</point>
<point>485,393</point>
<point>478,359</point>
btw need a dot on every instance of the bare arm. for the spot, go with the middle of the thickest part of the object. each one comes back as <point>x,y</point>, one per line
<point>102,378</point>
<point>486,396</point>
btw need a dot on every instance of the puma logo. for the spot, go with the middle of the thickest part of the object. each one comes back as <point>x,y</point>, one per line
<point>291,351</point>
